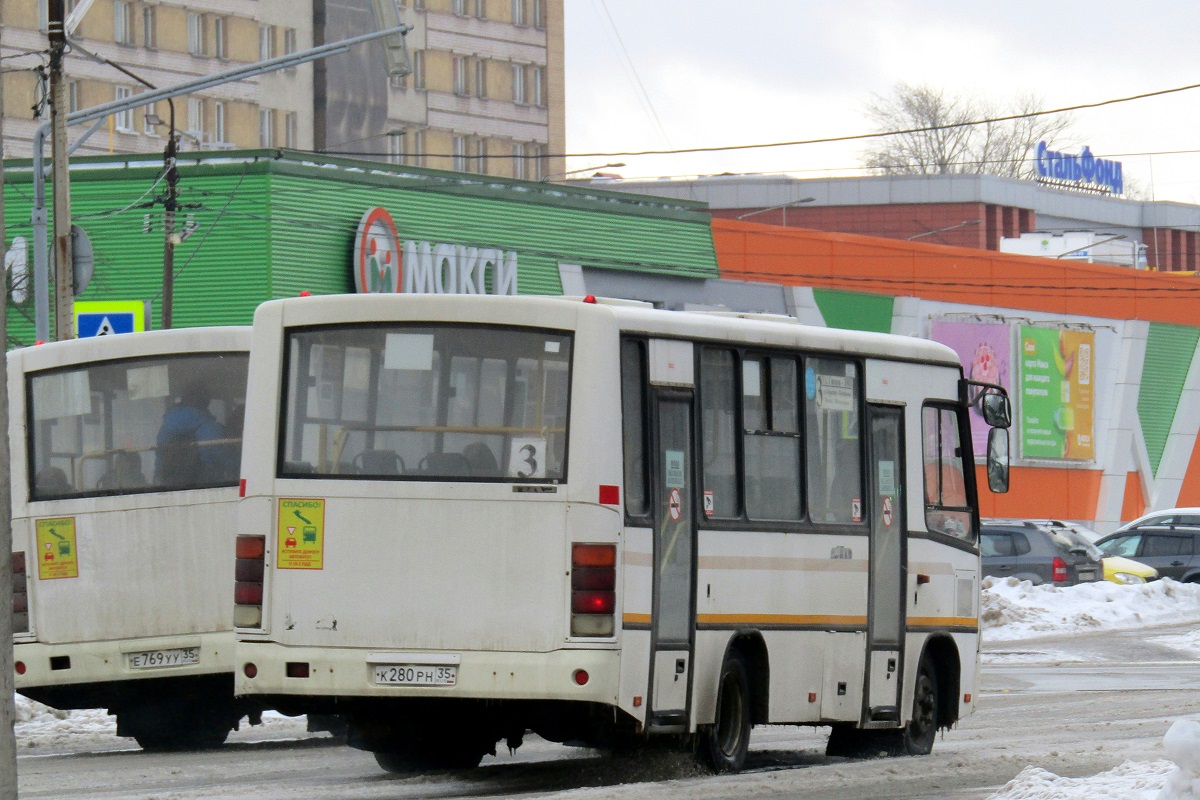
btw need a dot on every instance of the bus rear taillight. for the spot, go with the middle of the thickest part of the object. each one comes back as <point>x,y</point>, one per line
<point>20,595</point>
<point>248,574</point>
<point>593,589</point>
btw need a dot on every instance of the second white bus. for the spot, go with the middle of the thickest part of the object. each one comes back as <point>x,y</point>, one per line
<point>125,455</point>
<point>472,517</point>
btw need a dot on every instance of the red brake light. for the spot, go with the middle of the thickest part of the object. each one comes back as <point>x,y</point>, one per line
<point>296,669</point>
<point>248,594</point>
<point>593,602</point>
<point>593,555</point>
<point>251,546</point>
<point>1060,570</point>
<point>20,595</point>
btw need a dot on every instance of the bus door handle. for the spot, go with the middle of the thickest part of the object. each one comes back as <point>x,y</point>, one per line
<point>680,667</point>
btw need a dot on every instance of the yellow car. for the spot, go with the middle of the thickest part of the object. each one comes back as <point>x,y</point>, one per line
<point>1126,570</point>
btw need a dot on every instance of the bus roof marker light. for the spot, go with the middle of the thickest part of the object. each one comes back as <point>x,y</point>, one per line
<point>306,293</point>
<point>591,298</point>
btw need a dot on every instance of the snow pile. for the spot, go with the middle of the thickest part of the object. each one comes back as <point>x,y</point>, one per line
<point>1011,609</point>
<point>1158,780</point>
<point>39,725</point>
<point>1182,743</point>
<point>1130,781</point>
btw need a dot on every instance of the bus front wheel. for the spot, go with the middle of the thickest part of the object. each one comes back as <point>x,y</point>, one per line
<point>917,737</point>
<point>723,744</point>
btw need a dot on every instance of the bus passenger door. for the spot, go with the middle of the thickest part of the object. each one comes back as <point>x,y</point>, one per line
<point>673,617</point>
<point>888,554</point>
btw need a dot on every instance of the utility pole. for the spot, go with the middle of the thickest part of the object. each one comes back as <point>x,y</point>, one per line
<point>170,204</point>
<point>8,711</point>
<point>64,265</point>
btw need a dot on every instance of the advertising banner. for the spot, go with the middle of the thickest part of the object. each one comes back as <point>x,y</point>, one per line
<point>985,350</point>
<point>1057,400</point>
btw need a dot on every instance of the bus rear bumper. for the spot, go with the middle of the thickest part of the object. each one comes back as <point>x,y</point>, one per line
<point>89,674</point>
<point>591,676</point>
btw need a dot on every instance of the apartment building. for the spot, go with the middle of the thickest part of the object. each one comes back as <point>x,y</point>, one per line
<point>485,94</point>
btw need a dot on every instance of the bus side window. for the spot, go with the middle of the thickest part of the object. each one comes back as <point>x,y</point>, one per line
<point>719,428</point>
<point>633,413</point>
<point>771,438</point>
<point>946,507</point>
<point>834,457</point>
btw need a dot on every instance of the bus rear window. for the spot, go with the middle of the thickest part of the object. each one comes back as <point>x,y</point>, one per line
<point>136,425</point>
<point>438,402</point>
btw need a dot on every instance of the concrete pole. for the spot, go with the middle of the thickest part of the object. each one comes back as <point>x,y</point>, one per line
<point>64,263</point>
<point>8,712</point>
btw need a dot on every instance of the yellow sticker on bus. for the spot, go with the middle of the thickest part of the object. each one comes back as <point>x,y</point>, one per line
<point>301,543</point>
<point>57,556</point>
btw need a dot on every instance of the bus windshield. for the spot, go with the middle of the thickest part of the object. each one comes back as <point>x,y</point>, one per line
<point>136,425</point>
<point>426,401</point>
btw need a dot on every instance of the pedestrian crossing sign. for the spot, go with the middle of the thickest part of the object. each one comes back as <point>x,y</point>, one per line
<point>105,318</point>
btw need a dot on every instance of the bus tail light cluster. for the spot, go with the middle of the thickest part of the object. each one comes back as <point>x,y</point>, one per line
<point>593,589</point>
<point>248,589</point>
<point>1060,570</point>
<point>20,595</point>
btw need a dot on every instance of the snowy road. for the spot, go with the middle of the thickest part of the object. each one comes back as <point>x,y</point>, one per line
<point>1041,712</point>
<point>1081,683</point>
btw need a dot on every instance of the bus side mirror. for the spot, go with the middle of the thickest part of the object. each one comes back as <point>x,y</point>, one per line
<point>997,411</point>
<point>997,460</point>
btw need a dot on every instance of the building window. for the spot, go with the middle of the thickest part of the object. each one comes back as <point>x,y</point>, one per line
<point>539,162</point>
<point>398,82</point>
<point>518,12</point>
<point>72,96</point>
<point>219,45</point>
<point>419,5</point>
<point>195,27</point>
<point>395,142</point>
<point>43,12</point>
<point>481,162</point>
<point>195,124</point>
<point>266,128</point>
<point>124,119</point>
<point>123,21</point>
<point>418,73</point>
<point>459,7</point>
<point>481,78</point>
<point>218,123</point>
<point>149,27</point>
<point>518,83</point>
<point>480,9</point>
<point>460,75</point>
<point>149,118</point>
<point>266,42</point>
<point>460,153</point>
<point>289,41</point>
<point>518,151</point>
<point>291,130</point>
<point>539,86</point>
<point>417,151</point>
<point>539,14</point>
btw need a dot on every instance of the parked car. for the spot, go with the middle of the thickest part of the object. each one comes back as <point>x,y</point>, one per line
<point>1039,551</point>
<point>1167,540</point>
<point>1128,571</point>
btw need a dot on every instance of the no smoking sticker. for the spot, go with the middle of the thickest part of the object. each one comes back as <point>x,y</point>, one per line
<point>887,511</point>
<point>675,504</point>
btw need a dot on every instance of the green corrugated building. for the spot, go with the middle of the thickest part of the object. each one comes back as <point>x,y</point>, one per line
<point>264,224</point>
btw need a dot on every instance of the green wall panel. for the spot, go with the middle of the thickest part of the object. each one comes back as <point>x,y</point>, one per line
<point>855,310</point>
<point>1169,351</point>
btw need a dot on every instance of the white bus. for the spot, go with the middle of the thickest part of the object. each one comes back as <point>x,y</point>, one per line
<point>472,517</point>
<point>125,456</point>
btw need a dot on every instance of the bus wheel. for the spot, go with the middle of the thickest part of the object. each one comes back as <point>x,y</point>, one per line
<point>723,744</point>
<point>199,734</point>
<point>918,735</point>
<point>425,758</point>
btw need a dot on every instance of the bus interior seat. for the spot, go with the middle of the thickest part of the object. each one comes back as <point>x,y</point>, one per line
<point>481,460</point>
<point>379,462</point>
<point>450,465</point>
<point>125,472</point>
<point>51,481</point>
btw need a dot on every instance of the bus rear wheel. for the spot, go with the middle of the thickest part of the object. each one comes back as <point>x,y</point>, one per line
<point>160,728</point>
<point>418,758</point>
<point>723,744</point>
<point>917,737</point>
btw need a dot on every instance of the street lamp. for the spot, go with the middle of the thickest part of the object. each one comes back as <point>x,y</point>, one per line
<point>784,206</point>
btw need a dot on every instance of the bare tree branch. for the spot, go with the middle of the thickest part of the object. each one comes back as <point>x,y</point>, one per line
<point>952,147</point>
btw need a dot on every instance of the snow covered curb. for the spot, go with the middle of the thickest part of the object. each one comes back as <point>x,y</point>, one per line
<point>1013,610</point>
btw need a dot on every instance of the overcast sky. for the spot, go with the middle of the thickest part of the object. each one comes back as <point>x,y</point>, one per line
<point>674,74</point>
